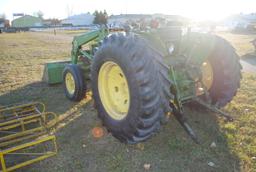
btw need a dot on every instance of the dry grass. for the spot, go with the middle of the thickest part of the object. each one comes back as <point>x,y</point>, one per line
<point>240,41</point>
<point>241,133</point>
<point>22,57</point>
<point>66,32</point>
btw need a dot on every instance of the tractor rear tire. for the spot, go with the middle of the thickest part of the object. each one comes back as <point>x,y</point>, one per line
<point>74,83</point>
<point>145,77</point>
<point>226,73</point>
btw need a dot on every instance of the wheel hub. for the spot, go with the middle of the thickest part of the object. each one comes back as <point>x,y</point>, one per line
<point>70,83</point>
<point>114,91</point>
<point>206,77</point>
<point>207,74</point>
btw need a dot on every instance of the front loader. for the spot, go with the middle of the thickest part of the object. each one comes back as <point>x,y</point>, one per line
<point>138,78</point>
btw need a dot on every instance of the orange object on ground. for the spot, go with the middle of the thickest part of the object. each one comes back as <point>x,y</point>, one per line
<point>97,132</point>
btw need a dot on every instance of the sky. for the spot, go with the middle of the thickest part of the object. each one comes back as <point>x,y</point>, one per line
<point>195,9</point>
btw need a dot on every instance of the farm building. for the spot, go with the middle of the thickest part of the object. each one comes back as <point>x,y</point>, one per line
<point>4,23</point>
<point>240,21</point>
<point>27,21</point>
<point>78,20</point>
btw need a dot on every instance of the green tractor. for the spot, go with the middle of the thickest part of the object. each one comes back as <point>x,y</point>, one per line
<point>138,78</point>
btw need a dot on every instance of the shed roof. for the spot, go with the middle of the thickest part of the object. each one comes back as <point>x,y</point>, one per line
<point>27,21</point>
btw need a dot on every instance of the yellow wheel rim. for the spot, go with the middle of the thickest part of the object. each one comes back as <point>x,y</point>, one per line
<point>114,91</point>
<point>207,74</point>
<point>70,83</point>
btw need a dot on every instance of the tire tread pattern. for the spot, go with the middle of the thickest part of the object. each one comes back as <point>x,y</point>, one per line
<point>152,77</point>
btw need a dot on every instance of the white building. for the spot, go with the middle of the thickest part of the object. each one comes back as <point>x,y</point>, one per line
<point>241,21</point>
<point>79,20</point>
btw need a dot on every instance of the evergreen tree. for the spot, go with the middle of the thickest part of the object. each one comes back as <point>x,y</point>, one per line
<point>100,17</point>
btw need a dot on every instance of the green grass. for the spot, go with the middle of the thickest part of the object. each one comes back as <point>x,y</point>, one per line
<point>22,58</point>
<point>241,133</point>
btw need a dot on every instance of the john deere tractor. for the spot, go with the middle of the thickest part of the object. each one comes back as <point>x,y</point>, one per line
<point>139,77</point>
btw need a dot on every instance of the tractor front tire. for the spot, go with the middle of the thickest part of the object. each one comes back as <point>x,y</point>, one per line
<point>127,86</point>
<point>74,83</point>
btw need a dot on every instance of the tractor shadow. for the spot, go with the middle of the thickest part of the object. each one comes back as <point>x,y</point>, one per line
<point>52,96</point>
<point>197,157</point>
<point>170,149</point>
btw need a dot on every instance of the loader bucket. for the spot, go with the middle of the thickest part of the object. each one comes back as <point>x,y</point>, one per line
<point>53,71</point>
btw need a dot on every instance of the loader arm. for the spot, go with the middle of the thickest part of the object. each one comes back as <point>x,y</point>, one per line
<point>84,39</point>
<point>53,71</point>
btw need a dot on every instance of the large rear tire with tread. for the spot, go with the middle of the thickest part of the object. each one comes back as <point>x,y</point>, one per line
<point>147,81</point>
<point>226,72</point>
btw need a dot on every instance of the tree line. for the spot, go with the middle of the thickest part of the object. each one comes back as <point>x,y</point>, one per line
<point>100,17</point>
